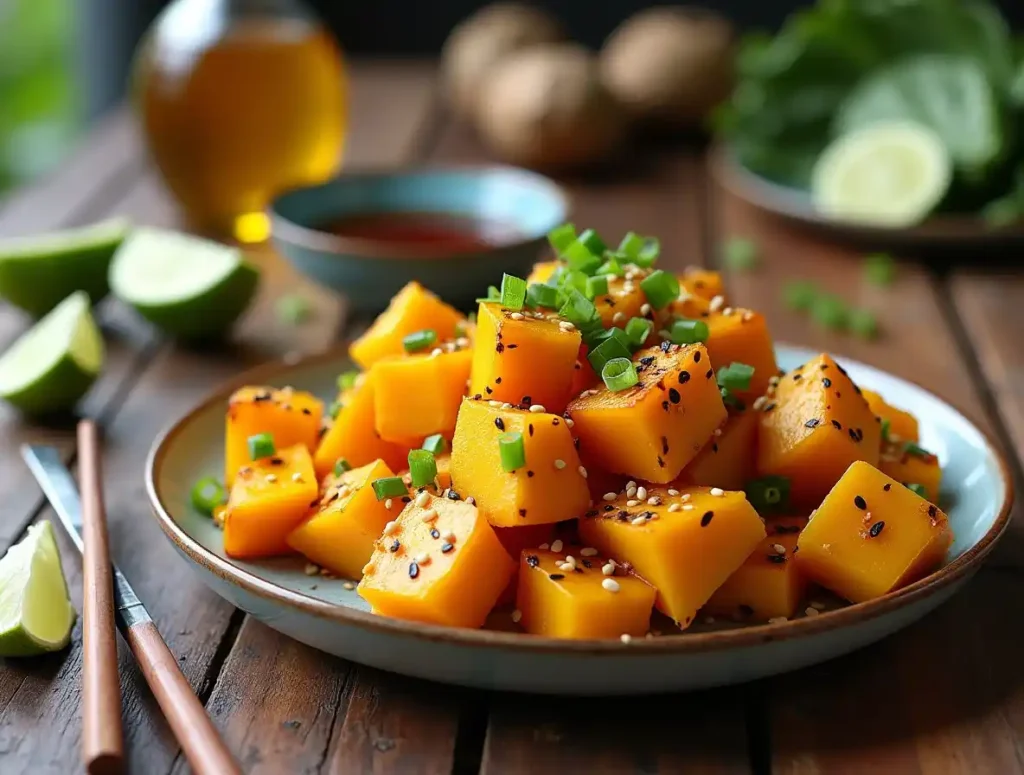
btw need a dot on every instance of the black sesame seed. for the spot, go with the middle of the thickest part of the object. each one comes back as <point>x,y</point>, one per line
<point>406,499</point>
<point>706,519</point>
<point>487,389</point>
<point>529,474</point>
<point>609,507</point>
<point>714,446</point>
<point>827,382</point>
<point>932,511</point>
<point>768,407</point>
<point>887,487</point>
<point>414,570</point>
<point>499,348</point>
<point>783,529</point>
<point>556,576</point>
<point>647,360</point>
<point>587,563</point>
<point>576,442</point>
<point>778,559</point>
<point>512,346</point>
<point>696,357</point>
<point>530,428</point>
<point>684,377</point>
<point>591,513</point>
<point>797,377</point>
<point>664,444</point>
<point>853,434</point>
<point>434,533</point>
<point>445,548</point>
<point>664,405</point>
<point>497,380</point>
<point>276,461</point>
<point>527,400</point>
<point>554,421</point>
<point>477,396</point>
<point>824,366</point>
<point>453,496</point>
<point>532,560</point>
<point>577,569</point>
<point>499,423</point>
<point>306,411</point>
<point>395,546</point>
<point>837,425</point>
<point>746,610</point>
<point>673,396</point>
<point>522,512</point>
<point>860,503</point>
<point>875,529</point>
<point>661,462</point>
<point>814,422</point>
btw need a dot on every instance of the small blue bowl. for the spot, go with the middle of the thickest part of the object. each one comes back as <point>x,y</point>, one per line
<point>369,272</point>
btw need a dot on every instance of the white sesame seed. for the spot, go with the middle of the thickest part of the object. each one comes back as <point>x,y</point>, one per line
<point>495,404</point>
<point>349,586</point>
<point>517,615</point>
<point>312,569</point>
<point>718,492</point>
<point>566,325</point>
<point>559,464</point>
<point>747,316</point>
<point>297,477</point>
<point>687,507</point>
<point>630,485</point>
<point>778,619</point>
<point>422,559</point>
<point>645,309</point>
<point>387,504</point>
<point>625,637</point>
<point>632,502</point>
<point>569,422</point>
<point>609,496</point>
<point>611,585</point>
<point>462,341</point>
<point>556,545</point>
<point>654,500</point>
<point>639,520</point>
<point>271,478</point>
<point>516,316</point>
<point>773,380</point>
<point>429,515</point>
<point>778,548</point>
<point>436,351</point>
<point>685,497</point>
<point>324,573</point>
<point>811,611</point>
<point>538,409</point>
<point>641,493</point>
<point>449,536</point>
<point>390,528</point>
<point>709,620</point>
<point>608,569</point>
<point>630,275</point>
<point>674,507</point>
<point>618,317</point>
<point>423,499</point>
<point>718,431</point>
<point>717,303</point>
<point>673,493</point>
<point>588,551</point>
<point>506,405</point>
<point>583,471</point>
<point>567,567</point>
<point>628,287</point>
<point>544,547</point>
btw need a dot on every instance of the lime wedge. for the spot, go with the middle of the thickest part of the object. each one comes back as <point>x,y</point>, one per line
<point>37,273</point>
<point>189,287</point>
<point>888,174</point>
<point>56,361</point>
<point>36,615</point>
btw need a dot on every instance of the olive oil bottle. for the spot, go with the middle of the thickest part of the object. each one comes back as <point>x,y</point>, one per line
<point>238,101</point>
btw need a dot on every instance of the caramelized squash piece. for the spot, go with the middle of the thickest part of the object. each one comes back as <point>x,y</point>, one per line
<point>520,359</point>
<point>352,435</point>
<point>703,283</point>
<point>515,540</point>
<point>813,427</point>
<point>584,377</point>
<point>549,488</point>
<point>653,429</point>
<point>439,563</point>
<point>566,595</point>
<point>769,584</point>
<point>412,309</point>
<point>268,499</point>
<point>340,534</point>
<point>625,299</point>
<point>290,416</point>
<point>686,545</point>
<point>727,461</point>
<point>871,535</point>
<point>742,336</point>
<point>902,425</point>
<point>912,468</point>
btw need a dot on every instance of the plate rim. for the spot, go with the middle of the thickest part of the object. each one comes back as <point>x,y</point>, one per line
<point>857,613</point>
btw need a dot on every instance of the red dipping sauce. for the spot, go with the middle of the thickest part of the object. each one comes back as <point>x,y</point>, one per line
<point>447,232</point>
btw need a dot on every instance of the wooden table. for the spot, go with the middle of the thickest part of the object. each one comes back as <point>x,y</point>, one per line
<point>945,696</point>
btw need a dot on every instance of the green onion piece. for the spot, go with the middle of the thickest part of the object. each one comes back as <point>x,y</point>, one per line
<point>538,295</point>
<point>735,376</point>
<point>592,241</point>
<point>863,323</point>
<point>611,266</point>
<point>911,448</point>
<point>661,288</point>
<point>435,444</point>
<point>562,237</point>
<point>347,380</point>
<point>917,489</point>
<point>619,374</point>
<point>571,279</point>
<point>637,331</point>
<point>631,245</point>
<point>885,430</point>
<point>493,294</point>
<point>739,254</point>
<point>261,445</point>
<point>513,453</point>
<point>334,409</point>
<point>207,494</point>
<point>513,292</point>
<point>579,259</point>
<point>686,331</point>
<point>422,467</point>
<point>389,487</point>
<point>648,253</point>
<point>767,495</point>
<point>597,286</point>
<point>608,350</point>
<point>879,269</point>
<point>578,309</point>
<point>799,295</point>
<point>830,312</point>
<point>420,340</point>
<point>555,278</point>
<point>293,308</point>
<point>730,399</point>
<point>341,465</point>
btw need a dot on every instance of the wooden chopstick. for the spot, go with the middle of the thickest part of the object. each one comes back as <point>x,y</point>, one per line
<point>102,739</point>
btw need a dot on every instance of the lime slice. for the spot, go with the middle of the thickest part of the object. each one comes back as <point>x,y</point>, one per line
<point>36,615</point>
<point>888,174</point>
<point>37,273</point>
<point>189,287</point>
<point>54,363</point>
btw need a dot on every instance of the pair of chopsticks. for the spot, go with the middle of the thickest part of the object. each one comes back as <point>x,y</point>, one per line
<point>109,600</point>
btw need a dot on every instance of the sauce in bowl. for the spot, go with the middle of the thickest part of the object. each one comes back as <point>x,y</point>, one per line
<point>450,232</point>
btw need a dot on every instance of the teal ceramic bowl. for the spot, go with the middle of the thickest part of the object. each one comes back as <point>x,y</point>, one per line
<point>525,206</point>
<point>329,615</point>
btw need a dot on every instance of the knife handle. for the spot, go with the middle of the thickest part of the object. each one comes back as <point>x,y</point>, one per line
<point>201,742</point>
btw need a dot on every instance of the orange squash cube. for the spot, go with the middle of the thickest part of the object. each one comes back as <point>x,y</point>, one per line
<point>352,435</point>
<point>515,540</point>
<point>912,468</point>
<point>439,563</point>
<point>742,337</point>
<point>584,377</point>
<point>703,283</point>
<point>340,534</point>
<point>268,499</point>
<point>769,584</point>
<point>419,395</point>
<point>575,599</point>
<point>727,461</point>
<point>290,416</point>
<point>625,299</point>
<point>653,429</point>
<point>412,309</point>
<point>685,544</point>
<point>871,535</point>
<point>542,271</point>
<point>902,425</point>
<point>549,488</point>
<point>813,427</point>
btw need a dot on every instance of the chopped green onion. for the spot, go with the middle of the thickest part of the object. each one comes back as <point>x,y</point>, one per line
<point>648,253</point>
<point>512,451</point>
<point>571,279</point>
<point>562,237</point>
<point>637,331</point>
<point>555,278</point>
<point>611,266</point>
<point>599,337</point>
<point>597,286</point>
<point>207,494</point>
<point>538,295</point>
<point>619,374</point>
<point>885,430</point>
<point>917,489</point>
<point>830,312</point>
<point>661,288</point>
<point>800,295</point>
<point>261,445</point>
<point>911,448</point>
<point>493,294</point>
<point>435,444</point>
<point>579,259</point>
<point>770,494</point>
<point>578,309</point>
<point>347,380</point>
<point>422,467</point>
<point>608,350</point>
<point>730,399</point>
<point>341,465</point>
<point>631,245</point>
<point>686,331</point>
<point>879,269</point>
<point>735,376</point>
<point>420,340</point>
<point>389,487</point>
<point>739,254</point>
<point>863,323</point>
<point>293,308</point>
<point>513,292</point>
<point>592,241</point>
<point>334,409</point>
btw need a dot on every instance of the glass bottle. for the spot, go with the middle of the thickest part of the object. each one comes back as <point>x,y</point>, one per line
<point>239,100</point>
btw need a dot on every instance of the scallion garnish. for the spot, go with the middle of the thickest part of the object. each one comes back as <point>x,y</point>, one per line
<point>592,241</point>
<point>686,331</point>
<point>293,308</point>
<point>435,444</point>
<point>863,323</point>
<point>608,350</point>
<point>769,494</point>
<point>341,465</point>
<point>619,374</point>
<point>207,494</point>
<point>637,331</point>
<point>731,399</point>
<point>347,380</point>
<point>648,253</point>
<point>419,340</point>
<point>830,312</point>
<point>512,451</point>
<point>917,489</point>
<point>513,292</point>
<point>538,295</point>
<point>461,329</point>
<point>886,426</point>
<point>562,237</point>
<point>739,254</point>
<point>261,445</point>
<point>800,295</point>
<point>661,288</point>
<point>572,279</point>
<point>578,309</point>
<point>597,286</point>
<point>631,245</point>
<point>911,448</point>
<point>879,268</point>
<point>422,467</point>
<point>735,376</point>
<point>493,294</point>
<point>611,266</point>
<point>389,487</point>
<point>334,409</point>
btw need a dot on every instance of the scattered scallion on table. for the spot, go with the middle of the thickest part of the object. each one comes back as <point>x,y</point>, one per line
<point>879,269</point>
<point>863,323</point>
<point>799,295</point>
<point>830,312</point>
<point>293,309</point>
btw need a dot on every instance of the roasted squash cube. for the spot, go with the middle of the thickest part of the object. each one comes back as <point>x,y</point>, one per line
<point>902,425</point>
<point>439,563</point>
<point>412,309</point>
<point>290,416</point>
<point>522,359</point>
<point>542,271</point>
<point>703,283</point>
<point>268,499</point>
<point>584,377</point>
<point>742,336</point>
<point>813,427</point>
<point>515,540</point>
<point>910,466</point>
<point>685,544</point>
<point>871,535</point>
<point>727,460</point>
<point>550,487</point>
<point>656,427</point>
<point>566,595</point>
<point>769,584</point>
<point>340,534</point>
<point>419,395</point>
<point>352,435</point>
<point>625,299</point>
